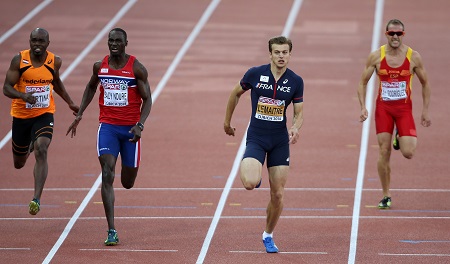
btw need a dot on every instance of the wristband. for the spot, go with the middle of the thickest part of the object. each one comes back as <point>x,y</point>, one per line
<point>140,125</point>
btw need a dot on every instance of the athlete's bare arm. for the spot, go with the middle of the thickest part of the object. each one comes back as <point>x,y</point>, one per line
<point>233,100</point>
<point>297,123</point>
<point>88,94</point>
<point>419,70</point>
<point>59,88</point>
<point>143,86</point>
<point>371,65</point>
<point>12,77</point>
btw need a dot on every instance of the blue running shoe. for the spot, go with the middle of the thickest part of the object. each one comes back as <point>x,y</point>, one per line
<point>270,245</point>
<point>259,184</point>
<point>34,206</point>
<point>112,239</point>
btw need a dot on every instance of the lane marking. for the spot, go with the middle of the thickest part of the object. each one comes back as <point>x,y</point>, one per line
<point>281,252</point>
<point>424,241</point>
<point>15,248</point>
<point>128,250</point>
<point>102,218</point>
<point>235,189</point>
<point>415,255</point>
<point>24,20</point>
<point>217,214</point>
<point>378,16</point>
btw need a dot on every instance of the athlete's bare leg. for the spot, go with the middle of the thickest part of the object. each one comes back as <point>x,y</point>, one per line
<point>251,170</point>
<point>408,146</point>
<point>128,176</point>
<point>40,171</point>
<point>108,164</point>
<point>277,179</point>
<point>20,161</point>
<point>383,165</point>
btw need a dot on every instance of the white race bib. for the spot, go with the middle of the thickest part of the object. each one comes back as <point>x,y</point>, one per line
<point>391,91</point>
<point>270,109</point>
<point>116,97</point>
<point>42,94</point>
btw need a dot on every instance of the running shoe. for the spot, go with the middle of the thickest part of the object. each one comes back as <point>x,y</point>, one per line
<point>112,239</point>
<point>34,206</point>
<point>395,141</point>
<point>259,184</point>
<point>270,245</point>
<point>385,203</point>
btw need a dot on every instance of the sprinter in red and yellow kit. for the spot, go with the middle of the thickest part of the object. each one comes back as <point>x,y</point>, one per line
<point>395,65</point>
<point>32,77</point>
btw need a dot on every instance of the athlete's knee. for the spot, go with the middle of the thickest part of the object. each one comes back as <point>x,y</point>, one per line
<point>19,161</point>
<point>19,164</point>
<point>127,184</point>
<point>276,197</point>
<point>249,184</point>
<point>107,176</point>
<point>409,154</point>
<point>40,151</point>
<point>128,176</point>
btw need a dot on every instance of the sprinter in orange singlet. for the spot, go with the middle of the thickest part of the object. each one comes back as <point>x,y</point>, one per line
<point>32,77</point>
<point>395,64</point>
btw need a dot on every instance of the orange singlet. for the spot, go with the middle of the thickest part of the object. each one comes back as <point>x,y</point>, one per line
<point>393,103</point>
<point>37,80</point>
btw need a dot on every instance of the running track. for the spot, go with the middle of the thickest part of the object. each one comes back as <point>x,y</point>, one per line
<point>188,205</point>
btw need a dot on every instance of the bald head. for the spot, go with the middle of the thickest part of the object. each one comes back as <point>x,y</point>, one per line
<point>41,33</point>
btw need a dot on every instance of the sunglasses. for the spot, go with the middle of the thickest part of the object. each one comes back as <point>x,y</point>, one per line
<point>398,33</point>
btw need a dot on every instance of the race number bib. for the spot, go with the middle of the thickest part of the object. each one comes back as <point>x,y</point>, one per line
<point>117,96</point>
<point>393,91</point>
<point>42,94</point>
<point>270,109</point>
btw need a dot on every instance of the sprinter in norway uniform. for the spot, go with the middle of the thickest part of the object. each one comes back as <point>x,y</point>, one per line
<point>120,105</point>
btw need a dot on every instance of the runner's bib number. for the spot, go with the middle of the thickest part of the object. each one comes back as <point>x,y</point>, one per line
<point>393,91</point>
<point>270,109</point>
<point>116,97</point>
<point>42,94</point>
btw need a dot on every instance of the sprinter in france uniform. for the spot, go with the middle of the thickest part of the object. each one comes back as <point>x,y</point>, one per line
<point>272,88</point>
<point>267,132</point>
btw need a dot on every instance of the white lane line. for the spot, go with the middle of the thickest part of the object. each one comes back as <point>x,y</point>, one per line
<point>128,250</point>
<point>5,139</point>
<point>24,20</point>
<point>415,255</point>
<point>322,217</point>
<point>365,137</point>
<point>15,249</point>
<point>281,252</point>
<point>212,228</point>
<point>221,189</point>
<point>187,44</point>
<point>97,183</point>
